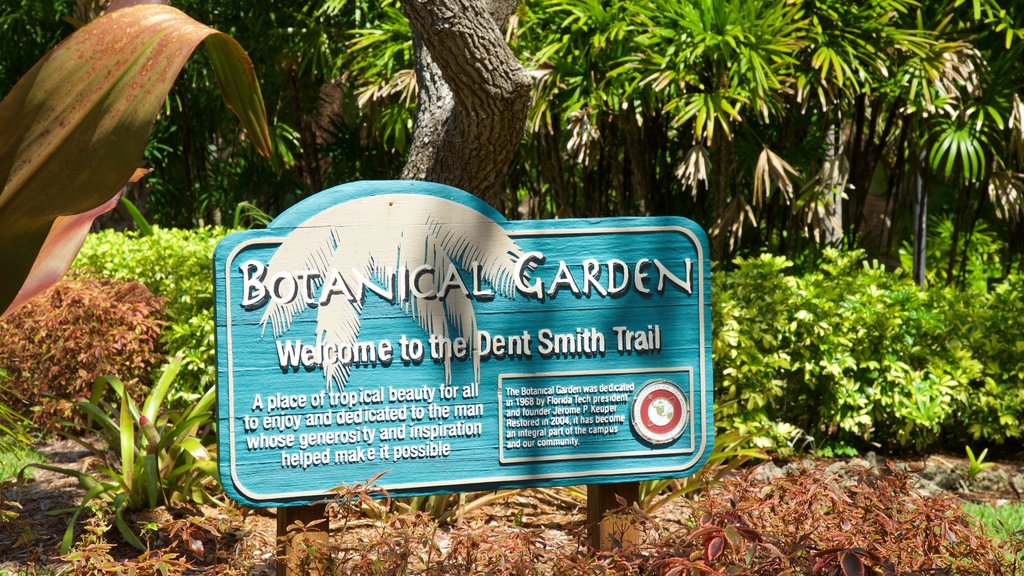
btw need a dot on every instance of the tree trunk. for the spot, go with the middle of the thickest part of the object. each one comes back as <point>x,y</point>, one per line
<point>721,187</point>
<point>920,221</point>
<point>473,95</point>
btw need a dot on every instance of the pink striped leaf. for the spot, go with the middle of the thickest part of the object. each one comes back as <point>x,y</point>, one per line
<point>73,130</point>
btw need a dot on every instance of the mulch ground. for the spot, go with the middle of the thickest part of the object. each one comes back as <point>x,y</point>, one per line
<point>231,539</point>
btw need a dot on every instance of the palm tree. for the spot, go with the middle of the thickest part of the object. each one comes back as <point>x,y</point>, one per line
<point>721,67</point>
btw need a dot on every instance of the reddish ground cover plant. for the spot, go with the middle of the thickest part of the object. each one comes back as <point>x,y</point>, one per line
<point>816,523</point>
<point>809,523</point>
<point>56,346</point>
<point>812,523</point>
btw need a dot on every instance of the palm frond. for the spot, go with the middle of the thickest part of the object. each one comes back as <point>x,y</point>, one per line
<point>817,202</point>
<point>1006,191</point>
<point>1016,126</point>
<point>406,232</point>
<point>771,170</point>
<point>732,221</point>
<point>694,168</point>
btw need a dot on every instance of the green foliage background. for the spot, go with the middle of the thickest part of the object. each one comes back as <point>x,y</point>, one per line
<point>781,125</point>
<point>832,354</point>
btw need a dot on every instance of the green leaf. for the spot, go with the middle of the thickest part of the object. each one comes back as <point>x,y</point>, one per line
<point>96,413</point>
<point>140,221</point>
<point>127,442</point>
<point>122,525</point>
<point>151,478</point>
<point>151,405</point>
<point>73,130</point>
<point>206,401</point>
<point>194,447</point>
<point>85,481</point>
<point>181,429</point>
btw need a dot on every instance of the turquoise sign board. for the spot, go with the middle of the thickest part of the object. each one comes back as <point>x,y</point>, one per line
<point>408,328</point>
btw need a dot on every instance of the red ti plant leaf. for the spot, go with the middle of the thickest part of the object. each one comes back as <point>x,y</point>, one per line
<point>73,130</point>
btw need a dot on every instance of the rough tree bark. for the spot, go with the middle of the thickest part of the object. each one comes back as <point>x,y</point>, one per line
<point>473,95</point>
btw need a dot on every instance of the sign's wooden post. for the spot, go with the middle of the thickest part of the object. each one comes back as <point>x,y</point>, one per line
<point>607,532</point>
<point>409,328</point>
<point>290,543</point>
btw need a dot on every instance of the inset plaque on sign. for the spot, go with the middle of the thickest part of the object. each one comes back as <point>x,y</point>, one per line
<point>408,328</point>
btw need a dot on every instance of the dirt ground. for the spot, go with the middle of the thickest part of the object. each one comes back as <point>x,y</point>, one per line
<point>232,539</point>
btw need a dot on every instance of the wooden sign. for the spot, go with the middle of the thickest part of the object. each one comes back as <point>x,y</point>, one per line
<point>408,328</point>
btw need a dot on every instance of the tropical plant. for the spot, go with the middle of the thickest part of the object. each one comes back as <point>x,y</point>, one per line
<point>981,255</point>
<point>71,139</point>
<point>977,464</point>
<point>380,66</point>
<point>153,456</point>
<point>28,28</point>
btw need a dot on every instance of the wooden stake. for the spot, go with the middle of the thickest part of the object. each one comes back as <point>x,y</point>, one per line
<point>292,543</point>
<point>607,533</point>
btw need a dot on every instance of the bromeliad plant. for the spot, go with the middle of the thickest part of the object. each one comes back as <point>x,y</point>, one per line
<point>152,457</point>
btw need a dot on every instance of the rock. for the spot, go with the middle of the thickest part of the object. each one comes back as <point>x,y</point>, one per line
<point>845,470</point>
<point>836,469</point>
<point>767,473</point>
<point>1017,483</point>
<point>926,487</point>
<point>990,481</point>
<point>944,477</point>
<point>874,460</point>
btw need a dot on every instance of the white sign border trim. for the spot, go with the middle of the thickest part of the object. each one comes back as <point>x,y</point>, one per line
<point>253,496</point>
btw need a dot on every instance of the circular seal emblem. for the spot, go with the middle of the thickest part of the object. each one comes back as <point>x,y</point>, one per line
<point>660,412</point>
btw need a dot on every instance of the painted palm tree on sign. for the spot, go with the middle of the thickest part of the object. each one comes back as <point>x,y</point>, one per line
<point>371,238</point>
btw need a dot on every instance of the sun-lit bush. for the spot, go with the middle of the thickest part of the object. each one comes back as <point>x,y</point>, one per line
<point>54,347</point>
<point>177,266</point>
<point>849,354</point>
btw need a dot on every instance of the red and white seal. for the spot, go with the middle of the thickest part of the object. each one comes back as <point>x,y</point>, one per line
<point>660,412</point>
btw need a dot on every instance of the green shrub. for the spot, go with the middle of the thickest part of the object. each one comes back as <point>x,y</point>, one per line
<point>56,345</point>
<point>850,355</point>
<point>177,266</point>
<point>988,337</point>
